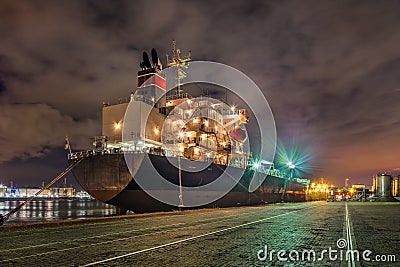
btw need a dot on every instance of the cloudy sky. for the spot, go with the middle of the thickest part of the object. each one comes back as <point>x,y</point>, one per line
<point>329,69</point>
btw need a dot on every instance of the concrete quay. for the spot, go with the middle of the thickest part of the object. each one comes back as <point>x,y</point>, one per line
<point>286,234</point>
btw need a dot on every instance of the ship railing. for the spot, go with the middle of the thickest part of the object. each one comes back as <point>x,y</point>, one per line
<point>114,138</point>
<point>269,171</point>
<point>80,154</point>
<point>178,96</point>
<point>116,102</point>
<point>113,151</point>
<point>93,152</point>
<point>142,98</point>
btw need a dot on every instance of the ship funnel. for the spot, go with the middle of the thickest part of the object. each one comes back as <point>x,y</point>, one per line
<point>155,59</point>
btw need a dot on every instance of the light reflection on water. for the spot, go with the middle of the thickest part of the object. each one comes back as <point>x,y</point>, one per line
<point>50,210</point>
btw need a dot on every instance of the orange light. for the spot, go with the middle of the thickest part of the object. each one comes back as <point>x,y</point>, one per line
<point>181,148</point>
<point>117,126</point>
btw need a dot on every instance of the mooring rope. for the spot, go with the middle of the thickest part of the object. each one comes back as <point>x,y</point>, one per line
<point>4,218</point>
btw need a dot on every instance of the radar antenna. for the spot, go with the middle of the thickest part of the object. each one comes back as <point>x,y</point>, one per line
<point>179,63</point>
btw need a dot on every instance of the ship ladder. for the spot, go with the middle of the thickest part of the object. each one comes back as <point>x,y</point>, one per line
<point>4,218</point>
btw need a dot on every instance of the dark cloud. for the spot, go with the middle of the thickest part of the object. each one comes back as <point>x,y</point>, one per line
<point>2,86</point>
<point>330,69</point>
<point>31,130</point>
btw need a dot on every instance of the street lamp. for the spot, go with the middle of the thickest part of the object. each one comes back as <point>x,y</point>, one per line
<point>291,167</point>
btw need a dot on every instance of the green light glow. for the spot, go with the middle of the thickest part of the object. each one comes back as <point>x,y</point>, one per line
<point>293,160</point>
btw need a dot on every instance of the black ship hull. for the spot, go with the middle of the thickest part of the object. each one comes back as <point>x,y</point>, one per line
<point>107,178</point>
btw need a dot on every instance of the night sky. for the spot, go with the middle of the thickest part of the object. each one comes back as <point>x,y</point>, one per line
<point>329,69</point>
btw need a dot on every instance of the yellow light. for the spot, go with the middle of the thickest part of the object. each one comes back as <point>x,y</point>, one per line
<point>206,123</point>
<point>181,148</point>
<point>156,131</point>
<point>196,150</point>
<point>181,134</point>
<point>117,126</point>
<point>195,120</point>
<point>233,108</point>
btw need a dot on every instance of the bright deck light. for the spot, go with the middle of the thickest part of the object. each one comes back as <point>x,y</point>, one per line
<point>117,126</point>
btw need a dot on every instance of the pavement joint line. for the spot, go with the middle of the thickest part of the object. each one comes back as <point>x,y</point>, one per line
<point>350,260</point>
<point>196,237</point>
<point>127,221</point>
<point>90,237</point>
<point>129,231</point>
<point>120,239</point>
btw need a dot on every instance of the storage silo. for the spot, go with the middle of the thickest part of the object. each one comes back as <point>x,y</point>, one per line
<point>373,189</point>
<point>383,187</point>
<point>395,187</point>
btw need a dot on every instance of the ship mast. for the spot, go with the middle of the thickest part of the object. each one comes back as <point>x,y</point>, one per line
<point>179,63</point>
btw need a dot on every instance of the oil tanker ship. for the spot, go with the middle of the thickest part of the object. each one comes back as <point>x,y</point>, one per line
<point>189,141</point>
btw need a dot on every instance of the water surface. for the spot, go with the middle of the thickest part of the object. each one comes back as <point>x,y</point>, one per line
<point>51,210</point>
